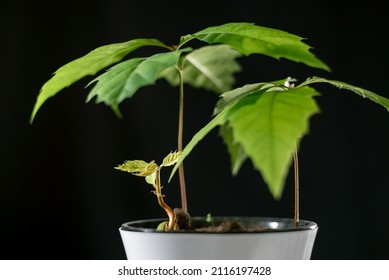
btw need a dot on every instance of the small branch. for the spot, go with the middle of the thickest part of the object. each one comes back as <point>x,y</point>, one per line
<point>296,189</point>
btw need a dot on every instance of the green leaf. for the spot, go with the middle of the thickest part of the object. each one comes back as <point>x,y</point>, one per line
<point>89,64</point>
<point>210,67</point>
<point>171,158</point>
<point>267,121</point>
<point>150,169</point>
<point>360,91</point>
<point>248,39</point>
<point>235,150</point>
<point>151,179</point>
<point>110,84</point>
<point>138,167</point>
<point>132,166</point>
<point>237,154</point>
<point>124,79</point>
<point>269,126</point>
<point>162,226</point>
<point>230,97</point>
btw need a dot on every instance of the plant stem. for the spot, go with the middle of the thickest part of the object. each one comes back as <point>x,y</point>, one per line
<point>296,189</point>
<point>169,211</point>
<point>184,204</point>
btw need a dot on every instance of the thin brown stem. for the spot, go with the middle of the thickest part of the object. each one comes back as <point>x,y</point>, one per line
<point>296,189</point>
<point>169,211</point>
<point>184,204</point>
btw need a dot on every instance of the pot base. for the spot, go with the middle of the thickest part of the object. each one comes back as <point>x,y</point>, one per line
<point>280,239</point>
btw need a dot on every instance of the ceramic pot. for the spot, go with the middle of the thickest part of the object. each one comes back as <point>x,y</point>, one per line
<point>281,240</point>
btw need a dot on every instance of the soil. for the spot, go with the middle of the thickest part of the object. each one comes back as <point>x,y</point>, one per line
<point>230,226</point>
<point>184,222</point>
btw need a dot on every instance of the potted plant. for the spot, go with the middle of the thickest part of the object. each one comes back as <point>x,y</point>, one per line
<point>263,122</point>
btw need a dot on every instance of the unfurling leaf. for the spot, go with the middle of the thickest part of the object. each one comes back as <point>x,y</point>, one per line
<point>132,166</point>
<point>149,169</point>
<point>138,167</point>
<point>162,226</point>
<point>150,179</point>
<point>171,159</point>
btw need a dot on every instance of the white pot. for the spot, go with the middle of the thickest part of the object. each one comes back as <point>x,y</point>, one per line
<point>283,241</point>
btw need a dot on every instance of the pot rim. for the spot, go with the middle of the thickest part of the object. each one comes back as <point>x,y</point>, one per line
<point>272,224</point>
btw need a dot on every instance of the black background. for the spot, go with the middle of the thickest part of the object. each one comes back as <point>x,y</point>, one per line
<point>60,197</point>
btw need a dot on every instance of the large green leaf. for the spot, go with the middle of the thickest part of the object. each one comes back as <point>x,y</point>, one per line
<point>210,67</point>
<point>267,121</point>
<point>235,149</point>
<point>89,64</point>
<point>124,79</point>
<point>111,84</point>
<point>248,39</point>
<point>269,125</point>
<point>230,97</point>
<point>240,106</point>
<point>360,91</point>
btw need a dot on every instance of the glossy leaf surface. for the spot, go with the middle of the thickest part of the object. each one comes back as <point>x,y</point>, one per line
<point>89,64</point>
<point>249,38</point>
<point>124,79</point>
<point>268,126</point>
<point>233,96</point>
<point>383,101</point>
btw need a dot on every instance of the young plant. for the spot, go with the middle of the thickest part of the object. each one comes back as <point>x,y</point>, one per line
<point>152,173</point>
<point>262,121</point>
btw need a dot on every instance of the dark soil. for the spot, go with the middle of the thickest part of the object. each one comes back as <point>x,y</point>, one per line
<point>230,226</point>
<point>184,222</point>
